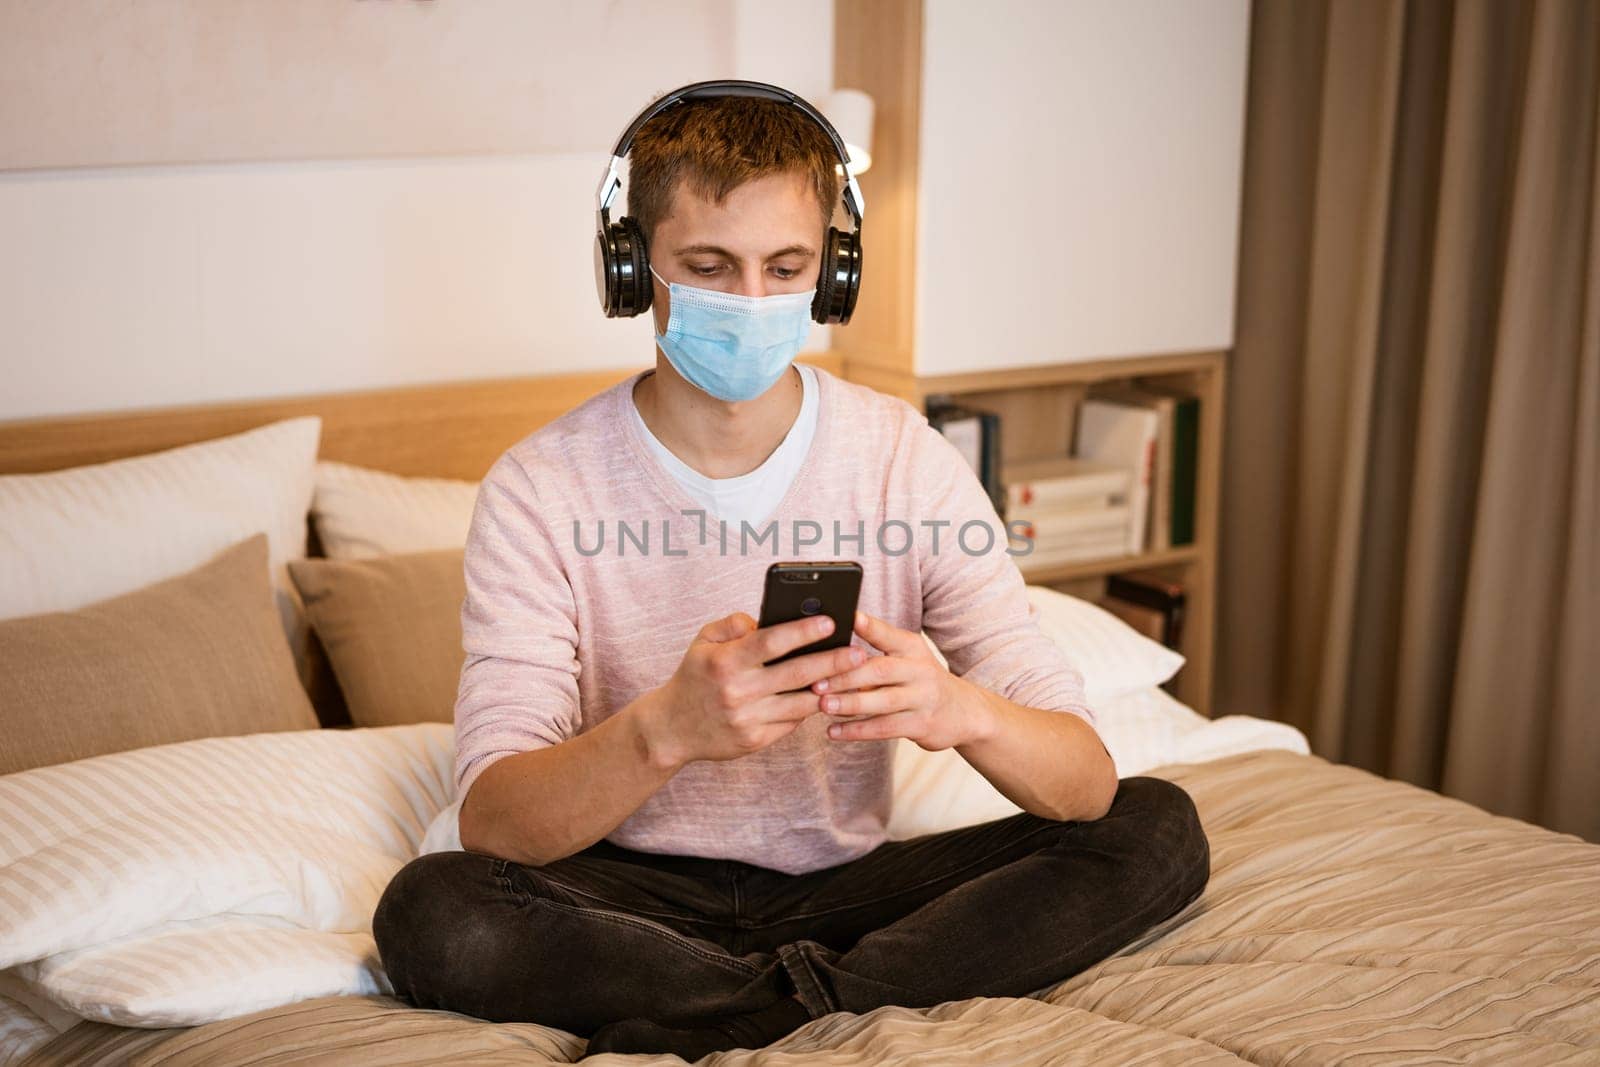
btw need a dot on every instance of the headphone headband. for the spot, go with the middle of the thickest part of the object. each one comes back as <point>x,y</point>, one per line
<point>708,90</point>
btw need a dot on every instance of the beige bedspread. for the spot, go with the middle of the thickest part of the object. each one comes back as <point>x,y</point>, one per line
<point>1349,919</point>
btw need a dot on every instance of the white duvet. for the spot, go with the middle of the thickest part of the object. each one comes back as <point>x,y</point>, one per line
<point>186,883</point>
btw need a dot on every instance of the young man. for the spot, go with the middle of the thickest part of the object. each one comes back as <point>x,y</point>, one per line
<point>671,847</point>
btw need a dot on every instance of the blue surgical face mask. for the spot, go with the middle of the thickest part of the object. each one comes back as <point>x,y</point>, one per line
<point>733,347</point>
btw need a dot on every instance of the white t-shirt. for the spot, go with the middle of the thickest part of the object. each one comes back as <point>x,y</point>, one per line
<point>747,497</point>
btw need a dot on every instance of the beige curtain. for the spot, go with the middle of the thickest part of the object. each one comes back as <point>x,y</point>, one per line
<point>1410,563</point>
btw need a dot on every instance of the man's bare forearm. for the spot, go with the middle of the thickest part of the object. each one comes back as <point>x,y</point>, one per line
<point>537,807</point>
<point>1049,763</point>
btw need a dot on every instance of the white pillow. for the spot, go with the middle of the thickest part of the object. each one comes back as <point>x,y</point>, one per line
<point>170,862</point>
<point>72,537</point>
<point>936,791</point>
<point>1115,658</point>
<point>246,965</point>
<point>361,513</point>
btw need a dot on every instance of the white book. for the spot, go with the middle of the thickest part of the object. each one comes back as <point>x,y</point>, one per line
<point>1164,405</point>
<point>967,435</point>
<point>1061,481</point>
<point>1084,524</point>
<point>1127,435</point>
<point>1048,512</point>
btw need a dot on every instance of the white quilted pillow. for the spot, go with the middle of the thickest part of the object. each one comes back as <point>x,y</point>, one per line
<point>193,864</point>
<point>361,513</point>
<point>1115,658</point>
<point>72,537</point>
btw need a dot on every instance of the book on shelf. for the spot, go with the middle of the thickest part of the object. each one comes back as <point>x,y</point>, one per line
<point>1174,462</point>
<point>1061,483</point>
<point>1150,622</point>
<point>1123,434</point>
<point>1071,510</point>
<point>1153,595</point>
<point>976,435</point>
<point>1103,525</point>
<point>1184,462</point>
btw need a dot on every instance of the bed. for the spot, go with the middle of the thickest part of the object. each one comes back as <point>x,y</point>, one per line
<point>1348,918</point>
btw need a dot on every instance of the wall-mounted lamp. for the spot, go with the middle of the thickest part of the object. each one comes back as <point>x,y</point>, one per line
<point>850,111</point>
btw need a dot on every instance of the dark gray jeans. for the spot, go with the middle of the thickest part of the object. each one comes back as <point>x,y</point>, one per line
<point>1004,908</point>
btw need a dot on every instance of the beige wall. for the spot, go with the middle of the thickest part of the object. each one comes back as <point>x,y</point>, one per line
<point>241,198</point>
<point>1080,199</point>
<point>97,82</point>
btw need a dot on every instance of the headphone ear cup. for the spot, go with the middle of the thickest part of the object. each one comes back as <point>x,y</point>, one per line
<point>605,269</point>
<point>840,279</point>
<point>644,290</point>
<point>620,262</point>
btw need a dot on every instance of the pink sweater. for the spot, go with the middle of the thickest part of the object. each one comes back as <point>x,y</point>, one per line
<point>568,617</point>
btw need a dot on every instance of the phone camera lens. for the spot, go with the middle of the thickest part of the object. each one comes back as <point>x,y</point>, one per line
<point>810,605</point>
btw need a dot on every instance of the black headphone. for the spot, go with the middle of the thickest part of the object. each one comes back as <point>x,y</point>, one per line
<point>622,262</point>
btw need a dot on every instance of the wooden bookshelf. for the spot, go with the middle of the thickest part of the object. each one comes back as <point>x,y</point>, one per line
<point>878,47</point>
<point>1038,408</point>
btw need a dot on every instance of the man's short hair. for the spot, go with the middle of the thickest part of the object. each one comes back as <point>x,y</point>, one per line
<point>715,145</point>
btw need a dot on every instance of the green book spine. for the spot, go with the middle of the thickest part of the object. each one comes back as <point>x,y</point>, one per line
<point>1185,467</point>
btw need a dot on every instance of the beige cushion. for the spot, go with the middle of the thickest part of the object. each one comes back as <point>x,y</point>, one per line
<point>392,630</point>
<point>199,655</point>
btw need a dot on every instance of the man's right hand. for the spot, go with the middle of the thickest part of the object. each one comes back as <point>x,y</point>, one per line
<point>721,703</point>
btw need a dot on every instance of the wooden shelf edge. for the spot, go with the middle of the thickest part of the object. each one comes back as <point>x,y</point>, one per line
<point>886,378</point>
<point>1095,568</point>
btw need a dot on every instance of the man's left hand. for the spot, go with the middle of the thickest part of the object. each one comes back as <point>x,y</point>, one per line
<point>905,692</point>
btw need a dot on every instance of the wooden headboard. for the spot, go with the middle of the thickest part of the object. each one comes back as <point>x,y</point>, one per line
<point>445,430</point>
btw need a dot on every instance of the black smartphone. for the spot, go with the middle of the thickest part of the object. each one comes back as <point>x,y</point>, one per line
<point>797,589</point>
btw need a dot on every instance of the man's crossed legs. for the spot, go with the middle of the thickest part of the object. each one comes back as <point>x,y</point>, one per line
<point>1003,908</point>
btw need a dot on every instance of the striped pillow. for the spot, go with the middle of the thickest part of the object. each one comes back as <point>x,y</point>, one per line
<point>190,973</point>
<point>362,513</point>
<point>136,887</point>
<point>76,536</point>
